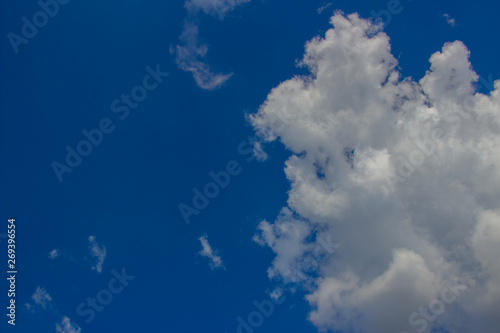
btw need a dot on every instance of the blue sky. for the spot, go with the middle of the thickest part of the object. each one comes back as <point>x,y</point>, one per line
<point>119,208</point>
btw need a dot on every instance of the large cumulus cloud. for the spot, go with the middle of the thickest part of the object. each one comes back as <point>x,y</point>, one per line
<point>404,174</point>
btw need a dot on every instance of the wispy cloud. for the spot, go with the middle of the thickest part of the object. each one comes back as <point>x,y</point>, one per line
<point>40,297</point>
<point>322,8</point>
<point>259,152</point>
<point>207,251</point>
<point>190,53</point>
<point>213,7</point>
<point>450,20</point>
<point>98,251</point>
<point>189,58</point>
<point>54,254</point>
<point>66,326</point>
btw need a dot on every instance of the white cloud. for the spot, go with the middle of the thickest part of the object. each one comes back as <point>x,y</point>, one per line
<point>66,326</point>
<point>40,297</point>
<point>286,237</point>
<point>214,7</point>
<point>404,174</point>
<point>207,251</point>
<point>450,20</point>
<point>259,152</point>
<point>190,54</point>
<point>54,254</point>
<point>189,58</point>
<point>322,8</point>
<point>276,293</point>
<point>98,251</point>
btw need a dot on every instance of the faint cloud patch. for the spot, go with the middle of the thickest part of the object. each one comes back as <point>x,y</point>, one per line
<point>450,20</point>
<point>321,9</point>
<point>190,53</point>
<point>207,251</point>
<point>54,254</point>
<point>189,59</point>
<point>43,301</point>
<point>259,152</point>
<point>276,293</point>
<point>98,251</point>
<point>66,326</point>
<point>40,297</point>
<point>213,7</point>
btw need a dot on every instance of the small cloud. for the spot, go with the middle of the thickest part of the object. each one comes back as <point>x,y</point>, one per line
<point>215,260</point>
<point>259,152</point>
<point>98,251</point>
<point>54,254</point>
<point>189,58</point>
<point>66,326</point>
<point>321,9</point>
<point>190,53</point>
<point>450,20</point>
<point>40,297</point>
<point>214,8</point>
<point>276,293</point>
